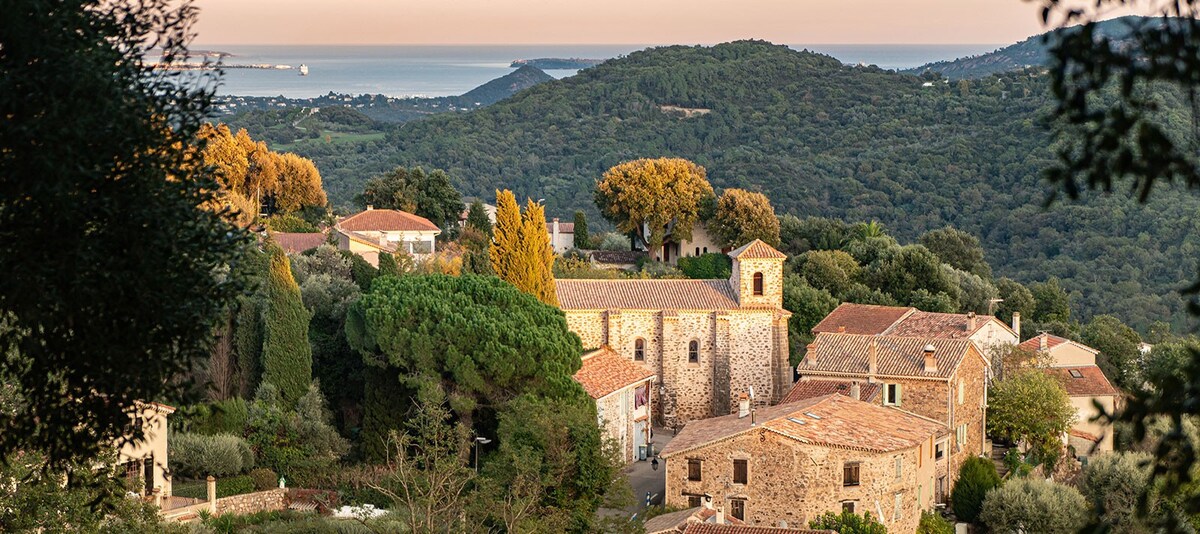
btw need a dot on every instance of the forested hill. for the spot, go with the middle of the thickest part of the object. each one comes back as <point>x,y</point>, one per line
<point>1031,52</point>
<point>819,138</point>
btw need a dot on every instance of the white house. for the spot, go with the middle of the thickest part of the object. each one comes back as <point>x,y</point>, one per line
<point>146,461</point>
<point>373,231</point>
<point>1074,364</point>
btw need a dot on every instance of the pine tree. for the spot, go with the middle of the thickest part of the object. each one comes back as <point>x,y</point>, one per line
<point>506,237</point>
<point>538,254</point>
<point>387,265</point>
<point>477,218</point>
<point>582,239</point>
<point>287,356</point>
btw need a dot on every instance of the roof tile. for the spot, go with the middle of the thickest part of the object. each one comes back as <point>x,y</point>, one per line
<point>381,220</point>
<point>1091,382</point>
<point>861,318</point>
<point>713,528</point>
<point>895,356</point>
<point>757,249</point>
<point>807,389</point>
<point>605,371</point>
<point>579,294</point>
<point>297,242</point>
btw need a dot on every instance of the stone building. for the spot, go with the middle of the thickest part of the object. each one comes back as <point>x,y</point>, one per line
<point>938,378</point>
<point>706,341</point>
<point>784,465</point>
<point>621,390</point>
<point>1074,364</point>
<point>986,331</point>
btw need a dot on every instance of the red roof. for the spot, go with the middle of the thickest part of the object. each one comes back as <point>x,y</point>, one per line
<point>1091,381</point>
<point>1035,343</point>
<point>807,389</point>
<point>949,325</point>
<point>849,354</point>
<point>380,220</point>
<point>295,242</point>
<point>664,294</point>
<point>861,318</point>
<point>757,249</point>
<point>605,371</point>
<point>563,227</point>
<point>713,528</point>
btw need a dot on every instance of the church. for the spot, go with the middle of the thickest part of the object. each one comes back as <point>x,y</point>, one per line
<point>707,341</point>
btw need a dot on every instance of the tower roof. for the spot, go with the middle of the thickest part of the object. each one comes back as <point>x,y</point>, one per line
<point>757,249</point>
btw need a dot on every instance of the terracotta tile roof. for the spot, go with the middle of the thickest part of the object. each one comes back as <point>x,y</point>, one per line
<point>1035,343</point>
<point>677,522</point>
<point>929,324</point>
<point>1091,382</point>
<point>1084,435</point>
<point>645,295</point>
<point>616,257</point>
<point>849,354</point>
<point>756,250</point>
<point>713,528</point>
<point>605,371</point>
<point>861,318</point>
<point>387,221</point>
<point>840,422</point>
<point>807,389</point>
<point>295,242</point>
<point>563,227</point>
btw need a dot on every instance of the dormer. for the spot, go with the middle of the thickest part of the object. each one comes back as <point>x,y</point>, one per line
<point>757,277</point>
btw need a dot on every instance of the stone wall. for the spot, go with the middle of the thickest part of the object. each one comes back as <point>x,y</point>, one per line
<point>742,280</point>
<point>972,372</point>
<point>249,503</point>
<point>791,482</point>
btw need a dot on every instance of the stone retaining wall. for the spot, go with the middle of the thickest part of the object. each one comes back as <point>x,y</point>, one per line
<point>249,503</point>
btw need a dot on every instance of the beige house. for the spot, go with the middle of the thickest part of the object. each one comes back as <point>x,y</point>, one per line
<point>941,379</point>
<point>370,232</point>
<point>1074,364</point>
<point>706,341</point>
<point>701,243</point>
<point>145,462</point>
<point>562,235</point>
<point>621,390</point>
<point>986,331</point>
<point>784,465</point>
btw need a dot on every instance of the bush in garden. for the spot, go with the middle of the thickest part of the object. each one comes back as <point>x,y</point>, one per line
<point>975,478</point>
<point>264,479</point>
<point>198,455</point>
<point>1035,505</point>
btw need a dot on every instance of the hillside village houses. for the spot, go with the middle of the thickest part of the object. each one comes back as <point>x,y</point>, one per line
<point>707,341</point>
<point>785,465</point>
<point>621,390</point>
<point>1074,364</point>
<point>987,332</point>
<point>373,231</point>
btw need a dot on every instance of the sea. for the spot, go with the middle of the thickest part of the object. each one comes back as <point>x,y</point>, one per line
<point>430,71</point>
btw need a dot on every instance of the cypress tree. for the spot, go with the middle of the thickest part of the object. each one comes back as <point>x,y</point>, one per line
<point>385,408</point>
<point>506,238</point>
<point>537,255</point>
<point>582,239</point>
<point>477,218</point>
<point>287,356</point>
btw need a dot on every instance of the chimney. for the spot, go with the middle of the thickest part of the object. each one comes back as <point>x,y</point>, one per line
<point>842,329</point>
<point>873,359</point>
<point>1042,341</point>
<point>720,517</point>
<point>554,233</point>
<point>810,354</point>
<point>743,405</point>
<point>1016,324</point>
<point>971,321</point>
<point>855,391</point>
<point>930,361</point>
<point>370,207</point>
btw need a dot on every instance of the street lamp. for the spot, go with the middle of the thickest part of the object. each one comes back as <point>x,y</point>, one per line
<point>479,440</point>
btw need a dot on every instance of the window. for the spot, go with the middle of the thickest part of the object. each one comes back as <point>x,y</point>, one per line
<point>706,250</point>
<point>939,450</point>
<point>891,395</point>
<point>1076,374</point>
<point>693,470</point>
<point>758,284</point>
<point>850,474</point>
<point>737,508</point>
<point>896,506</point>
<point>848,506</point>
<point>899,467</point>
<point>697,251</point>
<point>960,391</point>
<point>639,350</point>
<point>693,351</point>
<point>693,501</point>
<point>740,471</point>
<point>961,435</point>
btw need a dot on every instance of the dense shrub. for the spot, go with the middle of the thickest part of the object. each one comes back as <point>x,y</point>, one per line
<point>289,223</point>
<point>1113,483</point>
<point>226,487</point>
<point>293,442</point>
<point>1034,505</point>
<point>221,417</point>
<point>707,266</point>
<point>934,523</point>
<point>264,479</point>
<point>848,523</point>
<point>199,455</point>
<point>975,478</point>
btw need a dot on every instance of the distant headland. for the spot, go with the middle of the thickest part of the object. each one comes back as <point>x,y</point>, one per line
<point>557,63</point>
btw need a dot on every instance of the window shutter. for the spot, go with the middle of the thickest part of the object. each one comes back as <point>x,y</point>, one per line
<point>898,391</point>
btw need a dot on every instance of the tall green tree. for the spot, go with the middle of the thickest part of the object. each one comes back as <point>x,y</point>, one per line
<point>1017,298</point>
<point>645,196</point>
<point>1052,302</point>
<point>742,216</point>
<point>536,247</point>
<point>583,240</point>
<point>1031,406</point>
<point>959,249</point>
<point>1035,505</point>
<point>1115,483</point>
<point>95,158</point>
<point>505,250</point>
<point>976,477</point>
<point>287,356</point>
<point>477,218</point>
<point>1119,346</point>
<point>430,195</point>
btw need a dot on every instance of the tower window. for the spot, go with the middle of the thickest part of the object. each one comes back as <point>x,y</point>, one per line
<point>639,350</point>
<point>758,284</point>
<point>693,351</point>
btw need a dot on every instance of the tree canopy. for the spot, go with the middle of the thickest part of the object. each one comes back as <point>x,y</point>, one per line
<point>287,355</point>
<point>521,253</point>
<point>742,216</point>
<point>1031,406</point>
<point>653,198</point>
<point>430,195</point>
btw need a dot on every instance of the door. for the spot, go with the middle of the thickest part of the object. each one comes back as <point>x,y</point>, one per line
<point>148,474</point>
<point>639,440</point>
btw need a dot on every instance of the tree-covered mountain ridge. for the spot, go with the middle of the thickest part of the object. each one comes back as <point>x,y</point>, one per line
<point>823,139</point>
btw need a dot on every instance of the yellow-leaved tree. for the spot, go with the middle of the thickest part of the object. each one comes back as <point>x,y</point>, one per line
<point>743,216</point>
<point>520,249</point>
<point>654,198</point>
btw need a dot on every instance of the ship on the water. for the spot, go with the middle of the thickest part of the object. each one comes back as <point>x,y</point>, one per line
<point>303,69</point>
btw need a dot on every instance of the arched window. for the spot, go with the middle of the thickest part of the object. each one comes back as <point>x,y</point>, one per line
<point>639,350</point>
<point>758,284</point>
<point>697,251</point>
<point>693,351</point>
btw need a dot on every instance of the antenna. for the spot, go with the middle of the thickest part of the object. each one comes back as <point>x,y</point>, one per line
<point>751,405</point>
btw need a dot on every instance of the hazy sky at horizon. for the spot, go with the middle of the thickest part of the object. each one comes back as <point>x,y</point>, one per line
<point>615,21</point>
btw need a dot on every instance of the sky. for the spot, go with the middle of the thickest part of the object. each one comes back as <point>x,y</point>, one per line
<point>615,21</point>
